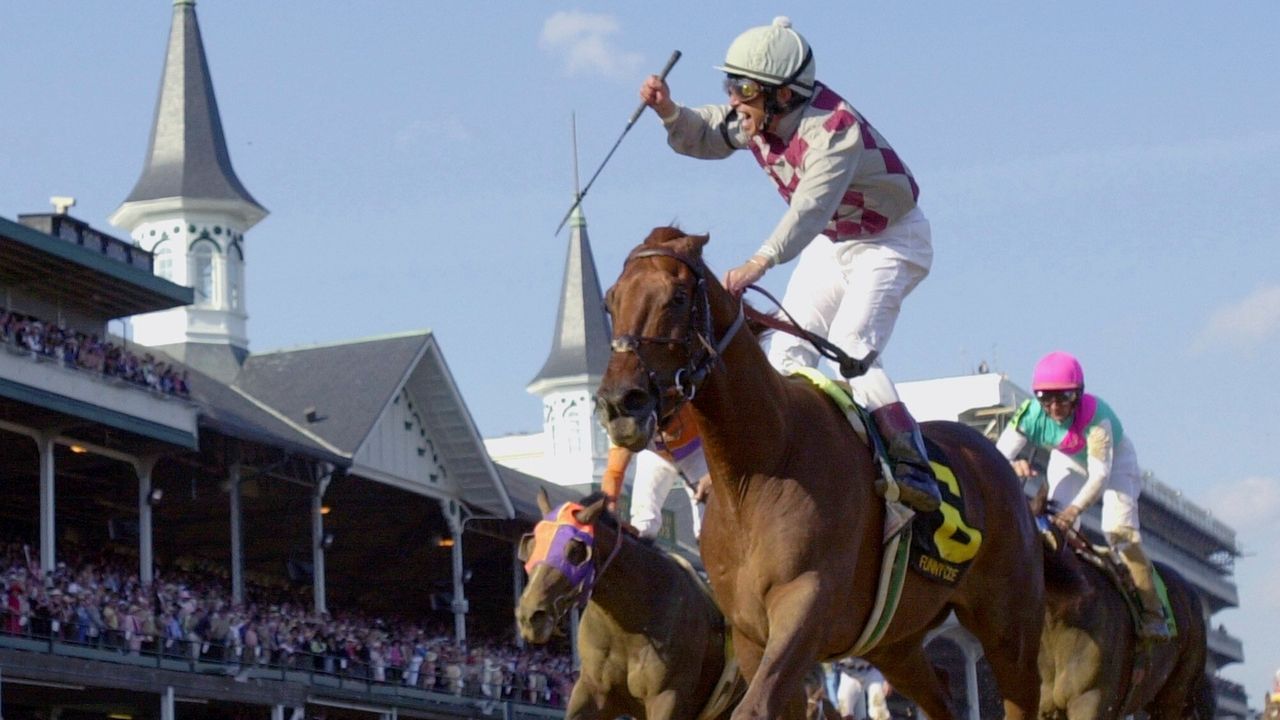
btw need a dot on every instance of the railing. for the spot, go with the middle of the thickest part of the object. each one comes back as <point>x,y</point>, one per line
<point>1191,512</point>
<point>80,233</point>
<point>512,695</point>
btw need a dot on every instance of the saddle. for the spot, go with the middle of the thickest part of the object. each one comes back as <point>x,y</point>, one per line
<point>1106,560</point>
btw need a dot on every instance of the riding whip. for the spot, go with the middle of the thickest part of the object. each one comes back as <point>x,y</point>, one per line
<point>675,55</point>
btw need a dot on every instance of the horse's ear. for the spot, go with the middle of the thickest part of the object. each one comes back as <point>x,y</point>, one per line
<point>693,244</point>
<point>544,502</point>
<point>588,514</point>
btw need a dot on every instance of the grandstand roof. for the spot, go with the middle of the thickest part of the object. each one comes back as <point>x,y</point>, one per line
<point>336,394</point>
<point>81,276</point>
<point>524,492</point>
<point>580,345</point>
<point>187,154</point>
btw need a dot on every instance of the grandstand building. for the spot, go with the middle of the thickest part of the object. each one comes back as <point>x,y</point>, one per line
<point>342,481</point>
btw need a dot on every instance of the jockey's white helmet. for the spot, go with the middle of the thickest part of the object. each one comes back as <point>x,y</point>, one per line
<point>773,54</point>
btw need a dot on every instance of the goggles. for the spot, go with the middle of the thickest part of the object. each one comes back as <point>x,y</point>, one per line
<point>1051,396</point>
<point>743,88</point>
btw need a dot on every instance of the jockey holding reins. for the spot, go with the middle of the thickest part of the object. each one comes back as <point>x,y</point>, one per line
<point>1090,456</point>
<point>852,218</point>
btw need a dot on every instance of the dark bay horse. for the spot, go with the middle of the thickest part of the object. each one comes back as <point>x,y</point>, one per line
<point>1090,648</point>
<point>651,639</point>
<point>794,529</point>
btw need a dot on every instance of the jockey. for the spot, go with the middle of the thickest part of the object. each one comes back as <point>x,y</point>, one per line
<point>852,218</point>
<point>1090,456</point>
<point>673,457</point>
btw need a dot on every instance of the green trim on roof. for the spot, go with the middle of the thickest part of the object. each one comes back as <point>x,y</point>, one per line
<point>95,261</point>
<point>95,413</point>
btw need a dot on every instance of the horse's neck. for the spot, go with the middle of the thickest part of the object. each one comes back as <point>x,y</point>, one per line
<point>740,410</point>
<point>625,584</point>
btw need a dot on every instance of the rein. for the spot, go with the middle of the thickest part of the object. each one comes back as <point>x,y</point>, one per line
<point>582,577</point>
<point>850,367</point>
<point>701,348</point>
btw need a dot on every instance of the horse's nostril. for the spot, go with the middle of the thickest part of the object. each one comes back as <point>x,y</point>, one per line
<point>635,401</point>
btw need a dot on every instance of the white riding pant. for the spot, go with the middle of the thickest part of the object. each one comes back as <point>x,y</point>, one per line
<point>655,476</point>
<point>851,697</point>
<point>1119,498</point>
<point>851,294</point>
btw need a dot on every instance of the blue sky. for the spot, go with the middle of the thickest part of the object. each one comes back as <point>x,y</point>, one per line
<point>1101,177</point>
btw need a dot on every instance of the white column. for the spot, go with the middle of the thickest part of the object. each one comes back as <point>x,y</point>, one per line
<point>48,555</point>
<point>317,550</point>
<point>146,563</point>
<point>166,705</point>
<point>517,588</point>
<point>453,515</point>
<point>237,534</point>
<point>277,712</point>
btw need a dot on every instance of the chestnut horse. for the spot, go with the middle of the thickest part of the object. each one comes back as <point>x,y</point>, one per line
<point>1090,646</point>
<point>793,531</point>
<point>651,639</point>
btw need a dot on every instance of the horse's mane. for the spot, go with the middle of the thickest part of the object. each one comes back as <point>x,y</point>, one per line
<point>609,520</point>
<point>667,236</point>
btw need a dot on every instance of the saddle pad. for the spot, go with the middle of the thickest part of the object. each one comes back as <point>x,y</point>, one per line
<point>943,543</point>
<point>1104,558</point>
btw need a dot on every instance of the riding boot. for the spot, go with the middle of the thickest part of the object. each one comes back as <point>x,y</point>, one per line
<point>917,485</point>
<point>1153,625</point>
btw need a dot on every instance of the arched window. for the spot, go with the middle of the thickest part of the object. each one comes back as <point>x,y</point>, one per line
<point>163,252</point>
<point>235,275</point>
<point>202,273</point>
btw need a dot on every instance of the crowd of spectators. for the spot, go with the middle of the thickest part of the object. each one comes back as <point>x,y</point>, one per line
<point>89,352</point>
<point>187,613</point>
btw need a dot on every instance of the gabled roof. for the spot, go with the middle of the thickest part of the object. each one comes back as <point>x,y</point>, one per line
<point>524,492</point>
<point>231,412</point>
<point>580,346</point>
<point>187,155</point>
<point>349,385</point>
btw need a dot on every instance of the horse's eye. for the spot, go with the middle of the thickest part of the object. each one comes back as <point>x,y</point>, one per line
<point>576,553</point>
<point>678,299</point>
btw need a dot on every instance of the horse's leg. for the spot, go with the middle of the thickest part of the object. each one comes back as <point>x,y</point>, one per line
<point>912,674</point>
<point>1010,637</point>
<point>1086,706</point>
<point>662,706</point>
<point>584,704</point>
<point>776,687</point>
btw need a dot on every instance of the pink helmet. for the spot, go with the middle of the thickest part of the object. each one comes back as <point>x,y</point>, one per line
<point>1058,371</point>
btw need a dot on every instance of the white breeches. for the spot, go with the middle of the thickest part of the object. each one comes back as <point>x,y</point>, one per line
<point>1119,498</point>
<point>851,294</point>
<point>655,477</point>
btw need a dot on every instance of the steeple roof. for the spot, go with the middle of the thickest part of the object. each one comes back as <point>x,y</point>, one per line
<point>187,156</point>
<point>580,345</point>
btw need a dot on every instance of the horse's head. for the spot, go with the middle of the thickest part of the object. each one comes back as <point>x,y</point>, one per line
<point>559,556</point>
<point>664,342</point>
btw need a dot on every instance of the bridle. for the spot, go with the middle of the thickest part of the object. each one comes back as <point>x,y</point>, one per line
<point>562,527</point>
<point>702,351</point>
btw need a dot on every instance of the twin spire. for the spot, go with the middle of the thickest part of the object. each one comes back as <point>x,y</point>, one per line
<point>580,345</point>
<point>187,155</point>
